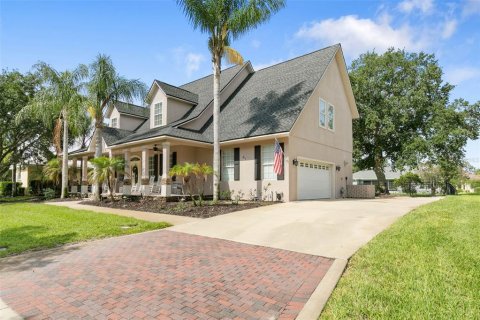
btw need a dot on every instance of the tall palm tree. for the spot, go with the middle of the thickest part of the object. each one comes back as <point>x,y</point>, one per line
<point>104,87</point>
<point>224,21</point>
<point>59,104</point>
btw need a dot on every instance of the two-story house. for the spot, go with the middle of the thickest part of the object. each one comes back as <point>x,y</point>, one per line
<point>306,103</point>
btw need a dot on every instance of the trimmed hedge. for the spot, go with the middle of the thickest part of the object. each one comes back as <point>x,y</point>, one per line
<point>6,188</point>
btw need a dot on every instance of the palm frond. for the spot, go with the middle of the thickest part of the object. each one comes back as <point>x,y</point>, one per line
<point>233,56</point>
<point>250,14</point>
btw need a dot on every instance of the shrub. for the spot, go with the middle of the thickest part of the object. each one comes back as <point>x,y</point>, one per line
<point>225,195</point>
<point>408,182</point>
<point>6,188</point>
<point>49,194</point>
<point>476,190</point>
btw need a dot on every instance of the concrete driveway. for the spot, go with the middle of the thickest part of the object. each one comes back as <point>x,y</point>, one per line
<point>334,229</point>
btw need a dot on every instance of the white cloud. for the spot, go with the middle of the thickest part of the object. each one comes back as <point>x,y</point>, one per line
<point>471,7</point>
<point>360,35</point>
<point>188,60</point>
<point>256,44</point>
<point>408,6</point>
<point>462,74</point>
<point>449,28</point>
<point>267,64</point>
<point>193,61</point>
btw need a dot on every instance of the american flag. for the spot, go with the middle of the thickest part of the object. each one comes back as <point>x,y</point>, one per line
<point>278,158</point>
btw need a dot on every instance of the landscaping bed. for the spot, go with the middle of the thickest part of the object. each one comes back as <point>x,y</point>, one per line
<point>207,210</point>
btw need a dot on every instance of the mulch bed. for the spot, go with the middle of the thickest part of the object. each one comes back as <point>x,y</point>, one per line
<point>186,208</point>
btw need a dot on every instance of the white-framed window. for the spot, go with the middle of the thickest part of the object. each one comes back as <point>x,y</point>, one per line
<point>331,117</point>
<point>114,122</point>
<point>157,114</point>
<point>322,111</point>
<point>228,165</point>
<point>151,168</point>
<point>267,162</point>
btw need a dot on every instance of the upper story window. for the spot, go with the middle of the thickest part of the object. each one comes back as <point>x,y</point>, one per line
<point>228,165</point>
<point>322,121</point>
<point>157,114</point>
<point>267,162</point>
<point>326,116</point>
<point>331,117</point>
<point>114,123</point>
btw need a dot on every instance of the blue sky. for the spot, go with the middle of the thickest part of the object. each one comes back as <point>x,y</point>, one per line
<point>152,39</point>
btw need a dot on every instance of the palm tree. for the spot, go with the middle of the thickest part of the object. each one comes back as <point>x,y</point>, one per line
<point>224,21</point>
<point>105,172</point>
<point>202,171</point>
<point>106,86</point>
<point>193,175</point>
<point>53,171</point>
<point>59,104</point>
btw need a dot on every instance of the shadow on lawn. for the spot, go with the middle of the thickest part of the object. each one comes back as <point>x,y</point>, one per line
<point>30,238</point>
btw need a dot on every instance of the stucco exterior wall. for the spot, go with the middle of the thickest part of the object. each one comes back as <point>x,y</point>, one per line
<point>247,183</point>
<point>176,109</point>
<point>130,123</point>
<point>309,140</point>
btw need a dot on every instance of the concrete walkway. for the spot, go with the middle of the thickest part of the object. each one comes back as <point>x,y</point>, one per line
<point>147,216</point>
<point>334,229</point>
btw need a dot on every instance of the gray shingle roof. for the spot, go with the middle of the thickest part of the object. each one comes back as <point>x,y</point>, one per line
<point>112,135</point>
<point>271,100</point>
<point>268,101</point>
<point>178,92</point>
<point>132,109</point>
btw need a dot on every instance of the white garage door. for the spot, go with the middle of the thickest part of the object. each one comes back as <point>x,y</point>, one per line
<point>314,180</point>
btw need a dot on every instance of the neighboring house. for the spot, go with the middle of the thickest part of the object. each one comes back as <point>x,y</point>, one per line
<point>368,177</point>
<point>471,183</point>
<point>26,173</point>
<point>306,103</point>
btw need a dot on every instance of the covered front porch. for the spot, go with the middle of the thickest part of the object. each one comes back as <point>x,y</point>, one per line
<point>147,165</point>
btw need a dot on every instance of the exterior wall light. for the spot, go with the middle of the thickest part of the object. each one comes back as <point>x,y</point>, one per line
<point>338,168</point>
<point>295,162</point>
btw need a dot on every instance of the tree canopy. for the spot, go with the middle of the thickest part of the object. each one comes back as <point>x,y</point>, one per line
<point>405,113</point>
<point>25,140</point>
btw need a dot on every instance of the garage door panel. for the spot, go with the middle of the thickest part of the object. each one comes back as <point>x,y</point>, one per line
<point>314,180</point>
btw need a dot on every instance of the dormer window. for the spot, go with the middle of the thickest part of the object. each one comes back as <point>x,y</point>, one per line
<point>113,124</point>
<point>157,114</point>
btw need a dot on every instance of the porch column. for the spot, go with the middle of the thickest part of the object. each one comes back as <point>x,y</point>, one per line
<point>166,181</point>
<point>127,180</point>
<point>145,176</point>
<point>110,153</point>
<point>74,188</point>
<point>84,187</point>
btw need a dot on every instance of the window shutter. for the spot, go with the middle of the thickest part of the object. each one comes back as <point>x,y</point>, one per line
<point>258,164</point>
<point>282,176</point>
<point>155,166</point>
<point>221,167</point>
<point>236,164</point>
<point>161,164</point>
<point>173,163</point>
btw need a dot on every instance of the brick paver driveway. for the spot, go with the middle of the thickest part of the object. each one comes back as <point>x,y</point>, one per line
<point>163,275</point>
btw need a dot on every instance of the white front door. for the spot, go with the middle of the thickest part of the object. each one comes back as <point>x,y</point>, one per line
<point>314,180</point>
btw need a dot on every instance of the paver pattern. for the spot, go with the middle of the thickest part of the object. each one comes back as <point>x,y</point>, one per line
<point>163,275</point>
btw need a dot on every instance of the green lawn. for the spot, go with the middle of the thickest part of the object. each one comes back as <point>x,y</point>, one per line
<point>26,226</point>
<point>426,266</point>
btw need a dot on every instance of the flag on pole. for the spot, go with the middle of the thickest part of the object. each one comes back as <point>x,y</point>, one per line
<point>278,159</point>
